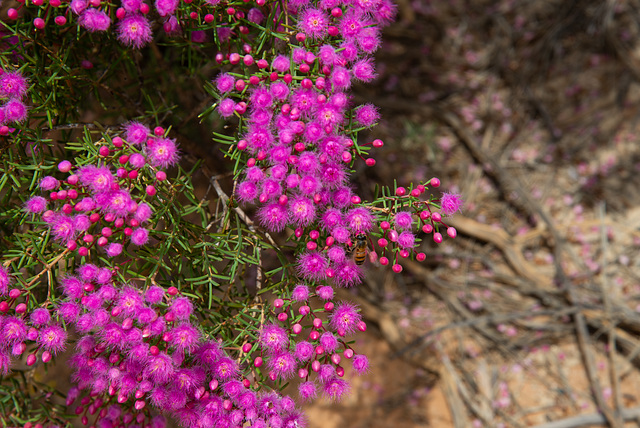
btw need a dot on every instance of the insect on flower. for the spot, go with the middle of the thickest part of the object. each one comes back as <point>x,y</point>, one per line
<point>360,248</point>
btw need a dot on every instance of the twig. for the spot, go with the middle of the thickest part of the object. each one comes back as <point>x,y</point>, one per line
<point>590,419</point>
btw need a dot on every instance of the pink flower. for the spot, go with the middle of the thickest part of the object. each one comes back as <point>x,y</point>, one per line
<point>184,337</point>
<point>367,115</point>
<point>281,63</point>
<point>348,274</point>
<point>302,211</point>
<point>304,351</point>
<point>182,308</point>
<point>314,23</point>
<point>12,85</point>
<point>336,388</point>
<point>364,70</point>
<point>273,338</point>
<point>140,236</point>
<point>15,111</point>
<point>136,133</point>
<point>345,318</point>
<point>450,202</point>
<point>307,390</point>
<point>62,228</point>
<point>359,220</point>
<point>49,183</point>
<point>53,338</point>
<point>134,31</point>
<point>94,20</point>
<point>283,365</point>
<point>300,293</point>
<point>166,7</point>
<point>406,240</point>
<point>273,217</point>
<point>312,266</point>
<point>361,364</point>
<point>162,153</point>
<point>36,205</point>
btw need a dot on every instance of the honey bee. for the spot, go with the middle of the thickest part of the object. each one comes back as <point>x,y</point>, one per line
<point>360,248</point>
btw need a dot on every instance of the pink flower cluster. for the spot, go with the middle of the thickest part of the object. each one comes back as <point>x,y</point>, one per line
<point>98,205</point>
<point>20,329</point>
<point>140,347</point>
<point>13,88</point>
<point>320,353</point>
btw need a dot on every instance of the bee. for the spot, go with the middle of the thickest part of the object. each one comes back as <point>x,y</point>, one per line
<point>360,248</point>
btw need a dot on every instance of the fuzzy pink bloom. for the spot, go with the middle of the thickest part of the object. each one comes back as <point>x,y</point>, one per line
<point>15,111</point>
<point>136,133</point>
<point>246,191</point>
<point>184,337</point>
<point>226,107</point>
<point>312,266</point>
<point>450,202</point>
<point>49,183</point>
<point>166,7</point>
<point>364,70</point>
<point>281,63</point>
<point>340,78</point>
<point>53,338</point>
<point>225,369</point>
<point>131,6</point>
<point>182,308</point>
<point>273,217</point>
<point>13,330</point>
<point>94,20</point>
<point>114,249</point>
<point>137,160</point>
<point>329,342</point>
<point>140,236</point>
<point>304,351</point>
<point>359,220</point>
<point>336,388</point>
<point>300,293</point>
<point>348,274</point>
<point>163,152</point>
<point>225,82</point>
<point>361,364</point>
<point>345,318</point>
<point>12,85</point>
<point>62,228</point>
<point>273,338</point>
<point>159,368</point>
<point>302,211</point>
<point>406,240</point>
<point>98,179</point>
<point>36,205</point>
<point>367,115</point>
<point>154,294</point>
<point>314,23</point>
<point>78,6</point>
<point>283,364</point>
<point>307,390</point>
<point>143,213</point>
<point>134,31</point>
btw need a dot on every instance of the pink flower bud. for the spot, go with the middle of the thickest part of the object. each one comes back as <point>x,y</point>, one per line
<point>346,157</point>
<point>31,360</point>
<point>314,234</point>
<point>139,404</point>
<point>427,228</point>
<point>315,366</point>
<point>172,291</point>
<point>328,307</point>
<point>319,350</point>
<point>314,335</point>
<point>437,217</point>
<point>437,237</point>
<point>311,245</point>
<point>421,257</point>
<point>278,303</point>
<point>340,371</point>
<point>302,373</point>
<point>83,251</point>
<point>401,191</point>
<point>393,236</point>
<point>370,162</point>
<point>452,232</point>
<point>355,199</point>
<point>304,310</point>
<point>46,356</point>
<point>38,23</point>
<point>296,328</point>
<point>435,182</point>
<point>257,362</point>
<point>282,316</point>
<point>384,261</point>
<point>377,143</point>
<point>396,268</point>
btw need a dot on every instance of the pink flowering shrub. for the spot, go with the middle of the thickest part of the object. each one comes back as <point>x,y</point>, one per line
<point>118,268</point>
